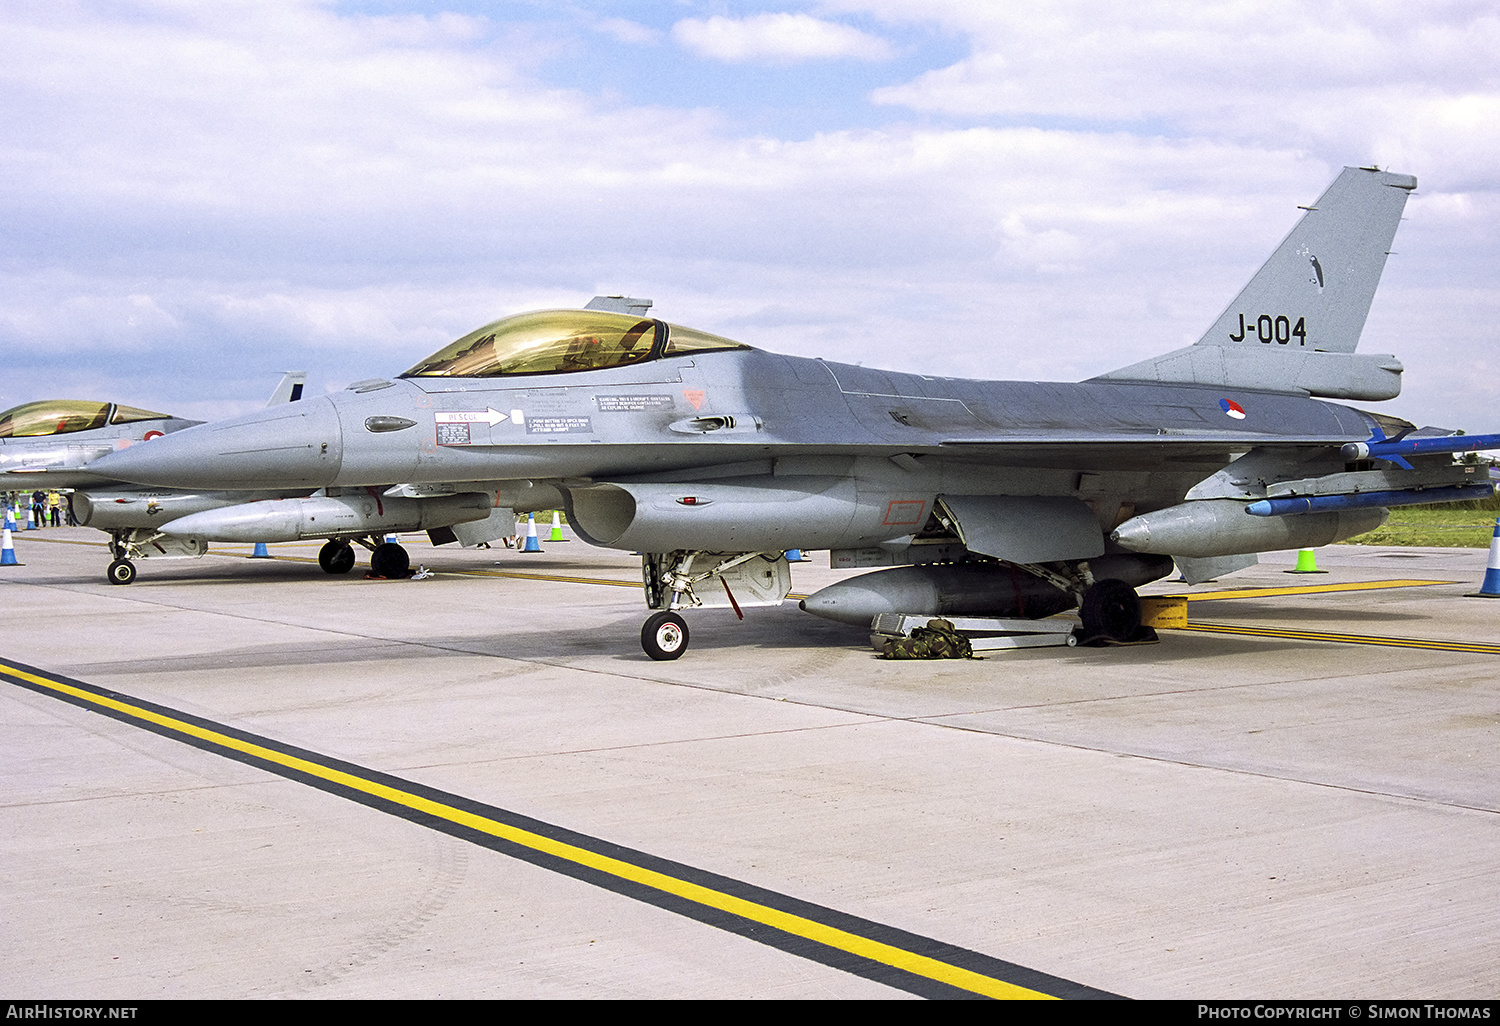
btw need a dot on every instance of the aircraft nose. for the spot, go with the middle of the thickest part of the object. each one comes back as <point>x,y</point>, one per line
<point>293,445</point>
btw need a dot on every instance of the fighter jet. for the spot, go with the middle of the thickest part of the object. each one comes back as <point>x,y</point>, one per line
<point>53,443</point>
<point>985,498</point>
<point>50,443</point>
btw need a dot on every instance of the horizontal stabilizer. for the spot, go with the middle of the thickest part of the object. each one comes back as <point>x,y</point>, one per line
<point>1358,376</point>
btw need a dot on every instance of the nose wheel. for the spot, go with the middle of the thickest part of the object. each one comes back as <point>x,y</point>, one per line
<point>664,636</point>
<point>121,571</point>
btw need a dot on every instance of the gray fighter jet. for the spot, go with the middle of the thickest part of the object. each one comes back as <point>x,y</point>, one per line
<point>52,444</point>
<point>988,498</point>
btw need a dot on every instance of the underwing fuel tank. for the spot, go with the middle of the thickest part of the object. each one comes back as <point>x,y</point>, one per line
<point>113,509</point>
<point>322,516</point>
<point>967,589</point>
<point>1223,527</point>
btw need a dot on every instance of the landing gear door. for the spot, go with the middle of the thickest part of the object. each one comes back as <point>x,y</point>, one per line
<point>1025,528</point>
<point>761,581</point>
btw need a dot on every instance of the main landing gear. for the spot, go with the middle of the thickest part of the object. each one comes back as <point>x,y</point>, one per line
<point>1111,609</point>
<point>336,557</point>
<point>387,559</point>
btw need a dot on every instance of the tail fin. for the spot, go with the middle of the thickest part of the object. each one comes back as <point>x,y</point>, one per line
<point>289,388</point>
<point>1295,326</point>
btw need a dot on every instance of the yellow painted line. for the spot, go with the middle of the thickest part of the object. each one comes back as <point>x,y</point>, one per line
<point>798,926</point>
<point>1345,639</point>
<point>1306,589</point>
<point>564,578</point>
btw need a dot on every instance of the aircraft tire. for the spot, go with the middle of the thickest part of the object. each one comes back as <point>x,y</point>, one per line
<point>336,557</point>
<point>389,560</point>
<point>121,571</point>
<point>1111,609</point>
<point>664,636</point>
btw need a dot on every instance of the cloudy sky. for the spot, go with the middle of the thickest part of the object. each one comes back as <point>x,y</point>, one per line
<point>197,196</point>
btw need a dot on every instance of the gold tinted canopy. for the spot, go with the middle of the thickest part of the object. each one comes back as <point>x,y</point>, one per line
<point>64,416</point>
<point>563,341</point>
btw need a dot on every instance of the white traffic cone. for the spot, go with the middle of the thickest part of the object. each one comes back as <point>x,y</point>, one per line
<point>1491,586</point>
<point>532,545</point>
<point>7,547</point>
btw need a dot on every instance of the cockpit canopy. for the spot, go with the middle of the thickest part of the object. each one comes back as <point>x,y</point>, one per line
<point>64,416</point>
<point>562,341</point>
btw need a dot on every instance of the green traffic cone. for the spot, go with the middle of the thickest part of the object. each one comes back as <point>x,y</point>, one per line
<point>1307,563</point>
<point>556,535</point>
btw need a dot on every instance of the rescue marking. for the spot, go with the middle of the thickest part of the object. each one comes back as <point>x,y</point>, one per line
<point>884,954</point>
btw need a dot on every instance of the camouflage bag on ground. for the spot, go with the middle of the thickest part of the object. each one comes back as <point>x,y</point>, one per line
<point>938,640</point>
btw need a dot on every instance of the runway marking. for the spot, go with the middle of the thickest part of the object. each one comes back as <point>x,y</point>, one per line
<point>1305,589</point>
<point>885,954</point>
<point>1345,639</point>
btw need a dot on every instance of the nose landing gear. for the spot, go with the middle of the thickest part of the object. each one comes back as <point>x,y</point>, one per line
<point>664,636</point>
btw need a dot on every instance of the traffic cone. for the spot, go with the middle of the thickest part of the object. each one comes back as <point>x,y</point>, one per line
<point>1491,586</point>
<point>31,518</point>
<point>260,551</point>
<point>556,535</point>
<point>10,519</point>
<point>1307,563</point>
<point>7,547</point>
<point>532,545</point>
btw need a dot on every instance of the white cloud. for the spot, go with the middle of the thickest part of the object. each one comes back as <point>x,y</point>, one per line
<point>632,33</point>
<point>778,38</point>
<point>1364,79</point>
<point>197,200</point>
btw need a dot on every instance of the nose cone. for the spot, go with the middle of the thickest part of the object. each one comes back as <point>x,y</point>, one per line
<point>294,445</point>
<point>1134,535</point>
<point>860,599</point>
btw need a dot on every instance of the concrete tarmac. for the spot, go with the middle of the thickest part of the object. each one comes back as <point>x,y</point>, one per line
<point>1215,816</point>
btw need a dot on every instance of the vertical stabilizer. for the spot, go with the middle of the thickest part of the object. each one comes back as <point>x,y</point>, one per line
<point>1295,327</point>
<point>1315,291</point>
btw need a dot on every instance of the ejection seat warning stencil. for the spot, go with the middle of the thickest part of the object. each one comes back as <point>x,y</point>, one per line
<point>558,425</point>
<point>453,434</point>
<point>631,403</point>
<point>456,427</point>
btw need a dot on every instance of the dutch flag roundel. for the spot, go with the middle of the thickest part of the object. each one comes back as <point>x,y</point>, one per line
<point>1232,408</point>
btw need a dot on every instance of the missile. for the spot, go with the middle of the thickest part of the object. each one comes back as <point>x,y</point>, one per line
<point>1360,500</point>
<point>966,589</point>
<point>328,516</point>
<point>1394,450</point>
<point>1219,527</point>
